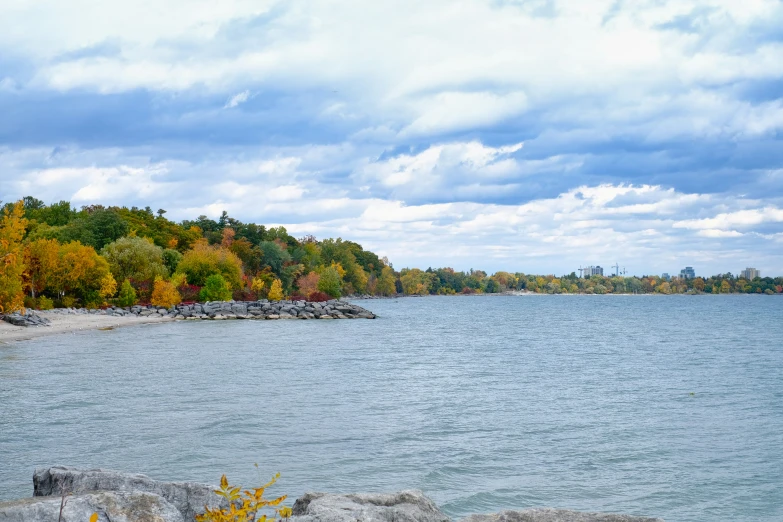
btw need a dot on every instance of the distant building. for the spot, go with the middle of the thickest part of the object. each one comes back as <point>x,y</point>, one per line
<point>687,273</point>
<point>665,276</point>
<point>750,274</point>
<point>593,270</point>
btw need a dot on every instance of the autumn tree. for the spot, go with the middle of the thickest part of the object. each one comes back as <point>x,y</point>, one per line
<point>415,281</point>
<point>205,260</point>
<point>12,228</point>
<point>386,284</point>
<point>276,291</point>
<point>164,294</point>
<point>82,272</point>
<point>308,284</point>
<point>42,259</point>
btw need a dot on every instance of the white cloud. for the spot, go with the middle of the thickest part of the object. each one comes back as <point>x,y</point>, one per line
<point>237,99</point>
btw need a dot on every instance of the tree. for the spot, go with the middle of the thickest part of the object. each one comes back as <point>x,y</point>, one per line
<point>216,288</point>
<point>41,258</point>
<point>135,258</point>
<point>308,284</point>
<point>276,291</point>
<point>698,284</point>
<point>330,282</point>
<point>12,228</point>
<point>164,294</point>
<point>127,295</point>
<point>171,259</point>
<point>82,272</point>
<point>205,260</point>
<point>414,281</point>
<point>385,284</point>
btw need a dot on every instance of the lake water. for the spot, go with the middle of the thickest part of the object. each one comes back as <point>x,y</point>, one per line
<point>664,406</point>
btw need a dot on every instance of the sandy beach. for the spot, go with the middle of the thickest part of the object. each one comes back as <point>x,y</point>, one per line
<point>61,324</point>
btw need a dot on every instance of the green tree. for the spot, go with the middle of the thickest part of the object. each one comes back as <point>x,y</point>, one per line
<point>135,258</point>
<point>171,259</point>
<point>330,282</point>
<point>216,288</point>
<point>127,295</point>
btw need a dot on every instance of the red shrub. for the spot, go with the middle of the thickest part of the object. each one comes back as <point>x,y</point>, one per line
<point>319,297</point>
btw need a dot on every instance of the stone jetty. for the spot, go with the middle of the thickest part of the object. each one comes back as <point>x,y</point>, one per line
<point>215,310</point>
<point>124,497</point>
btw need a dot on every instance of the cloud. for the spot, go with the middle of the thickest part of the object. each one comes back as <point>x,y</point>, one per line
<point>237,99</point>
<point>511,132</point>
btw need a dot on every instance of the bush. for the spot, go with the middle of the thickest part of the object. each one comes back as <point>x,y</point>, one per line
<point>215,289</point>
<point>44,303</point>
<point>127,295</point>
<point>164,294</point>
<point>29,302</point>
<point>319,297</point>
<point>189,293</point>
<point>245,504</point>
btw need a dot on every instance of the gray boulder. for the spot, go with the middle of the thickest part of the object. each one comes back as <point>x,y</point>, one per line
<point>189,498</point>
<point>405,506</point>
<point>555,515</point>
<point>111,506</point>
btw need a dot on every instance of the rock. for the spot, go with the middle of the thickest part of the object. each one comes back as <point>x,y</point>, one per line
<point>404,506</point>
<point>555,515</point>
<point>111,506</point>
<point>188,498</point>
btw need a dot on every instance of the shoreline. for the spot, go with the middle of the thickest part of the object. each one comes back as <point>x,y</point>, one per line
<point>17,327</point>
<point>71,324</point>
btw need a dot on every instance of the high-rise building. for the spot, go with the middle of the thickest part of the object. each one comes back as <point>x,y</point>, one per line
<point>687,273</point>
<point>750,274</point>
<point>593,270</point>
<point>665,276</point>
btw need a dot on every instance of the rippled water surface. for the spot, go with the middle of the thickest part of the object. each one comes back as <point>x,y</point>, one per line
<point>665,406</point>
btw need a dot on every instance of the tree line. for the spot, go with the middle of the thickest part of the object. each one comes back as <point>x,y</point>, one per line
<point>55,255</point>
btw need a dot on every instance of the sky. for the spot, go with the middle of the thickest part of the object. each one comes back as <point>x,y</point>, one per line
<point>522,135</point>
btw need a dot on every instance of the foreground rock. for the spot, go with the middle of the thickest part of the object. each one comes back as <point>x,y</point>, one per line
<point>555,515</point>
<point>111,506</point>
<point>187,498</point>
<point>125,497</point>
<point>30,318</point>
<point>405,506</point>
<point>217,310</point>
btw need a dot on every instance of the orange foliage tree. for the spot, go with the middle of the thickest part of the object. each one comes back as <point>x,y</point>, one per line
<point>164,294</point>
<point>308,284</point>
<point>42,260</point>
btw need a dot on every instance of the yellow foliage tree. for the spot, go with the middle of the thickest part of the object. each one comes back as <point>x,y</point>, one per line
<point>42,260</point>
<point>108,286</point>
<point>276,291</point>
<point>257,284</point>
<point>245,506</point>
<point>12,266</point>
<point>164,294</point>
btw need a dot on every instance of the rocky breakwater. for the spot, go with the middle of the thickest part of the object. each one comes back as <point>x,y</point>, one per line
<point>123,497</point>
<point>218,310</point>
<point>29,318</point>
